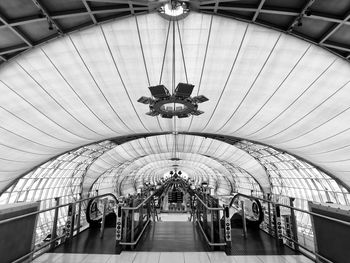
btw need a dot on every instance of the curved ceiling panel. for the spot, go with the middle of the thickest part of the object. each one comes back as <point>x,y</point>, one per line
<point>173,147</point>
<point>263,85</point>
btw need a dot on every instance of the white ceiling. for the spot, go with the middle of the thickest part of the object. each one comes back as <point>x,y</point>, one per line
<point>263,85</point>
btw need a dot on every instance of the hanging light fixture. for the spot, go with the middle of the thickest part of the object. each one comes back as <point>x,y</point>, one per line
<point>179,103</point>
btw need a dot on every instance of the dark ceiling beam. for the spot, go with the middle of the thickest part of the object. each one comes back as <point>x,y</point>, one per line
<point>298,18</point>
<point>48,16</point>
<point>216,6</point>
<point>84,12</point>
<point>262,2</point>
<point>214,1</point>
<point>16,31</point>
<point>12,49</point>
<point>334,29</point>
<point>286,12</point>
<point>87,6</point>
<point>145,3</point>
<point>131,8</point>
<point>336,46</point>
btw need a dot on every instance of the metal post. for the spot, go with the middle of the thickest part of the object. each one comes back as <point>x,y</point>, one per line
<point>294,223</point>
<point>278,225</point>
<point>269,211</point>
<point>54,226</point>
<point>103,217</point>
<point>79,216</point>
<point>71,230</point>
<point>132,226</point>
<point>212,226</point>
<point>227,231</point>
<point>152,204</point>
<point>243,220</point>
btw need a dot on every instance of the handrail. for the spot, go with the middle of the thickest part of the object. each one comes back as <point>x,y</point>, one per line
<point>206,238</point>
<point>298,209</point>
<point>308,250</point>
<point>138,238</point>
<point>207,207</point>
<point>52,208</point>
<point>137,207</point>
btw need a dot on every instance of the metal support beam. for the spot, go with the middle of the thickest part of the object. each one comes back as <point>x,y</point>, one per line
<point>87,6</point>
<point>334,29</point>
<point>301,14</point>
<point>13,49</point>
<point>258,10</point>
<point>16,31</point>
<point>48,16</point>
<point>336,46</point>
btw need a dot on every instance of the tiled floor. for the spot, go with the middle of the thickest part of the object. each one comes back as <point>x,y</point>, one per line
<point>167,257</point>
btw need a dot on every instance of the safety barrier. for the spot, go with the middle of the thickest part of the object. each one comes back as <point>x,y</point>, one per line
<point>280,222</point>
<point>133,220</point>
<point>207,215</point>
<point>72,224</point>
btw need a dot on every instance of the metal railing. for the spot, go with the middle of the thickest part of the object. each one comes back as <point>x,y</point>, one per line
<point>271,205</point>
<point>38,251</point>
<point>135,221</point>
<point>212,230</point>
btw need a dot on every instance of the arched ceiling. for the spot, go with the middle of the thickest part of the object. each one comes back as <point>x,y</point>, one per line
<point>180,150</point>
<point>263,85</point>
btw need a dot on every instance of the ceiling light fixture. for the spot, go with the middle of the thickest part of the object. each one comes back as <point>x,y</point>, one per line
<point>174,10</point>
<point>179,104</point>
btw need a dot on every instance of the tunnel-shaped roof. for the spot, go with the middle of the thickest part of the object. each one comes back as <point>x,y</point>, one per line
<point>173,150</point>
<point>262,85</point>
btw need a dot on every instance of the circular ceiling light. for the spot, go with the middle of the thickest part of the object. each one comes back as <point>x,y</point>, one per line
<point>174,10</point>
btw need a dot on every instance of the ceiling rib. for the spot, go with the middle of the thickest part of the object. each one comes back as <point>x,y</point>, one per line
<point>262,2</point>
<point>301,15</point>
<point>16,31</point>
<point>87,6</point>
<point>48,16</point>
<point>334,29</point>
<point>138,7</point>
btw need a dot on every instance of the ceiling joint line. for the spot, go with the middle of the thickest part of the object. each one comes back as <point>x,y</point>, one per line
<point>56,101</point>
<point>36,128</point>
<point>275,91</point>
<point>30,140</point>
<point>323,140</point>
<point>73,90</point>
<point>228,77</point>
<point>182,51</point>
<point>145,64</point>
<point>164,54</point>
<point>333,150</point>
<point>121,79</point>
<point>290,105</point>
<point>34,107</point>
<point>253,83</point>
<point>315,108</point>
<point>98,87</point>
<point>142,51</point>
<point>203,64</point>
